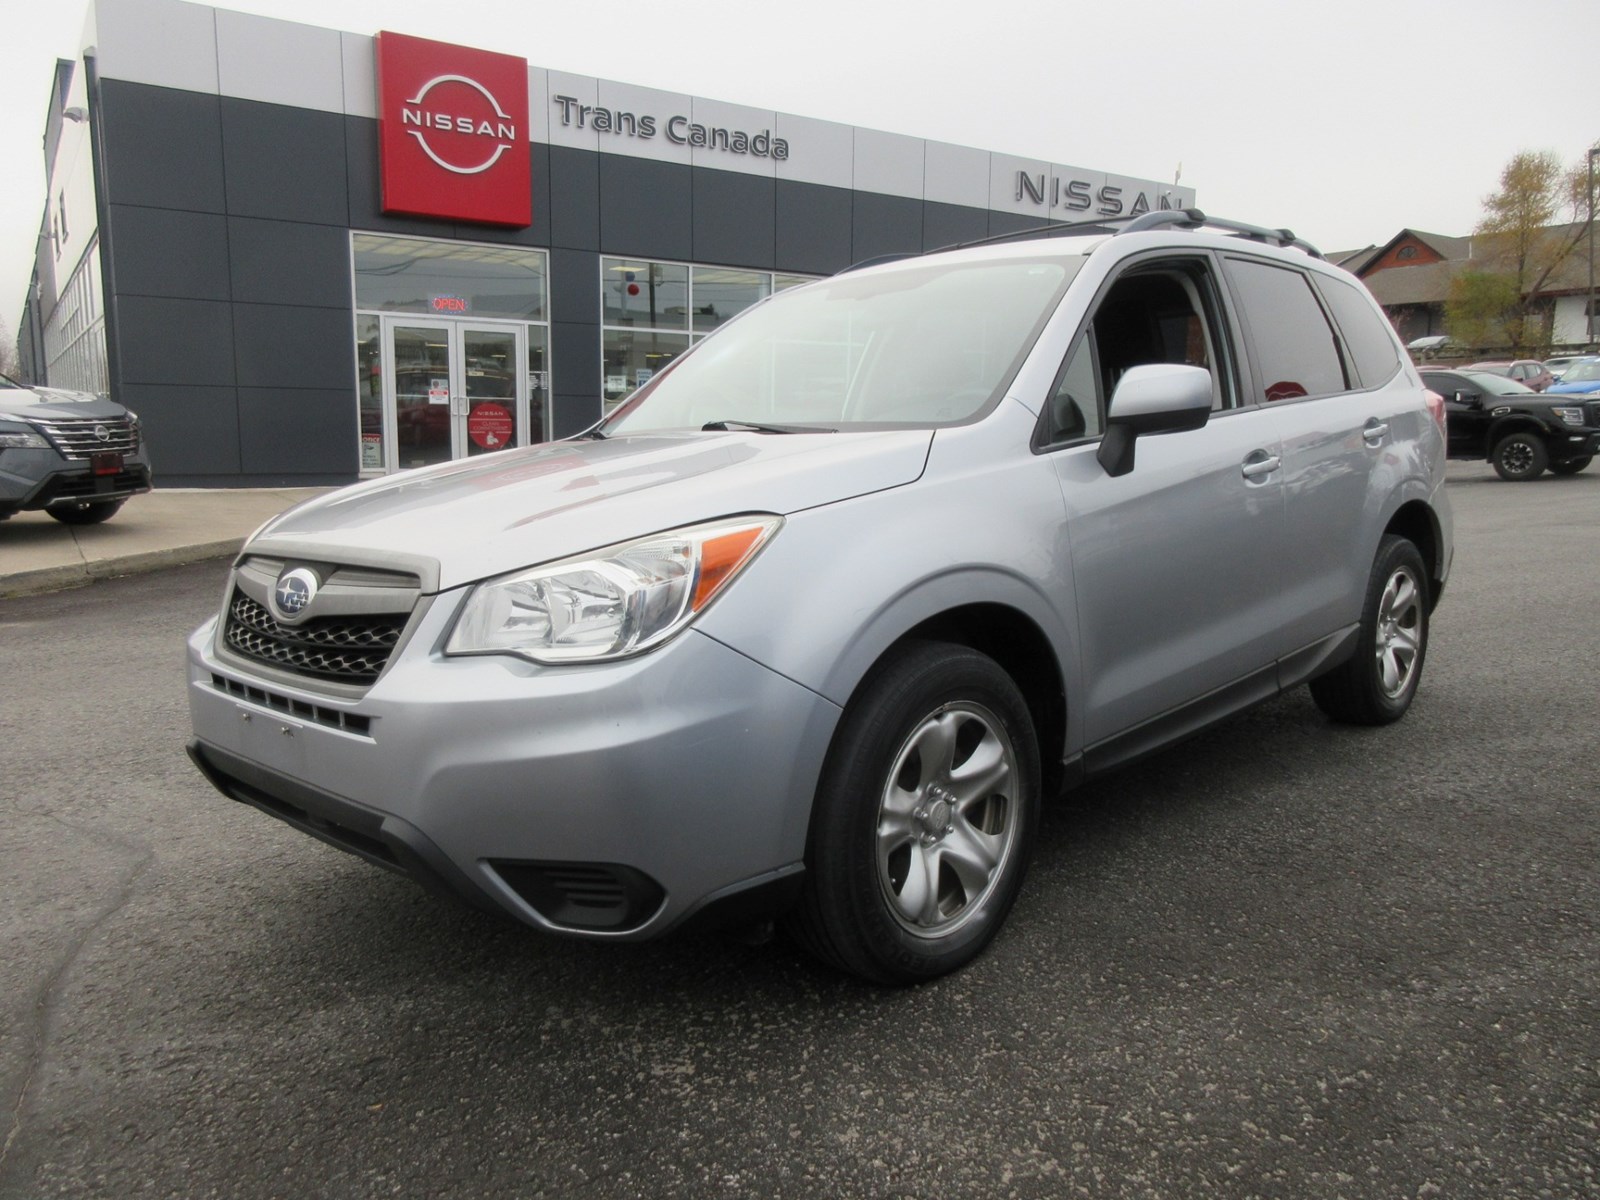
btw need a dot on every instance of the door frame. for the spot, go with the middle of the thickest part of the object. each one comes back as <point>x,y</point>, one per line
<point>455,330</point>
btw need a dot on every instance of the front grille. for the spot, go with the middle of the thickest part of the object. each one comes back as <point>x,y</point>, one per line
<point>1593,411</point>
<point>343,649</point>
<point>76,437</point>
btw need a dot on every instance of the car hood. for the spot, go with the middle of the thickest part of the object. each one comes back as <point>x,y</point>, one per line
<point>1578,388</point>
<point>464,521</point>
<point>50,404</point>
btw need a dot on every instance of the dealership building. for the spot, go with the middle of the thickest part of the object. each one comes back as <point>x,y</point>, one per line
<point>306,256</point>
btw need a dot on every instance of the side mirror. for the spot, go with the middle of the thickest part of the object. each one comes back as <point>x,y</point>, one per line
<point>1158,398</point>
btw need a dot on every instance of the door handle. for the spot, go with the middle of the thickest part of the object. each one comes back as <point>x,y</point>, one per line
<point>1260,464</point>
<point>1374,431</point>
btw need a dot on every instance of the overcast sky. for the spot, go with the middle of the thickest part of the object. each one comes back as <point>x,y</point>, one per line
<point>1345,121</point>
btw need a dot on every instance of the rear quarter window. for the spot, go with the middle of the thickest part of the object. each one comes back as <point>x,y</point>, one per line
<point>1366,333</point>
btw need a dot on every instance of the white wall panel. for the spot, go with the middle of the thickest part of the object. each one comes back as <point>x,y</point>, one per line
<point>890,163</point>
<point>279,62</point>
<point>163,42</point>
<point>819,151</point>
<point>956,175</point>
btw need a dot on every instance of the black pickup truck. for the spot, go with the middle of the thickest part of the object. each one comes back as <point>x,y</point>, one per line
<point>1520,431</point>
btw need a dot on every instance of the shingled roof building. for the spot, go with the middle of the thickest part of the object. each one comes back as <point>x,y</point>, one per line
<point>1410,275</point>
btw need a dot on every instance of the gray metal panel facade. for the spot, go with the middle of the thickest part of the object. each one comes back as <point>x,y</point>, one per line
<point>231,222</point>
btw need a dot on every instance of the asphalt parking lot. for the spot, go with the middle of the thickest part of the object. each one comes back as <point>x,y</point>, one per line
<point>1285,959</point>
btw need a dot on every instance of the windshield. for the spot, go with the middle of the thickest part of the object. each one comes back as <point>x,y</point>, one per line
<point>917,346</point>
<point>1495,385</point>
<point>1581,372</point>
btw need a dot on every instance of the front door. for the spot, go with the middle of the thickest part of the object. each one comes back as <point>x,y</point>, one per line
<point>454,388</point>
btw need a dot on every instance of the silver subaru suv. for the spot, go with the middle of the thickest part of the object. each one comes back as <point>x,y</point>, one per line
<point>810,623</point>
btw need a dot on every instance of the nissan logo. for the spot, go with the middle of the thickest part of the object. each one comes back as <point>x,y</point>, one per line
<point>102,433</point>
<point>294,592</point>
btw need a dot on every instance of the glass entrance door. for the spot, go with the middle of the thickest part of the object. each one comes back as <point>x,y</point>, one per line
<point>453,389</point>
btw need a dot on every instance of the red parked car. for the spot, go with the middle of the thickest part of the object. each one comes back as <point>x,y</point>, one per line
<point>1524,370</point>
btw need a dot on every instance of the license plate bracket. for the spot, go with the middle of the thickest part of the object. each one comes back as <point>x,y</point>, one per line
<point>105,462</point>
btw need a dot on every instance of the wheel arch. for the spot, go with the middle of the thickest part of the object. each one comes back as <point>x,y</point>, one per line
<point>1513,423</point>
<point>1416,521</point>
<point>1017,643</point>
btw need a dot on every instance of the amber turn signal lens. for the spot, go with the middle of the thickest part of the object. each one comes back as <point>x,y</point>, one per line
<point>720,557</point>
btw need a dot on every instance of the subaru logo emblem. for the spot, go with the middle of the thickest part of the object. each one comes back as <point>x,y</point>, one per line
<point>102,433</point>
<point>294,592</point>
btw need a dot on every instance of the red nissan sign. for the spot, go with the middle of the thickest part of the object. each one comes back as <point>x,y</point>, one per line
<point>453,132</point>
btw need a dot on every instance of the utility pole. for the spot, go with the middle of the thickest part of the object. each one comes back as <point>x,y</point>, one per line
<point>1588,316</point>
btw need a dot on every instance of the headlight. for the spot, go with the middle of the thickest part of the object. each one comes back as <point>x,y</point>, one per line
<point>22,439</point>
<point>613,602</point>
<point>1572,416</point>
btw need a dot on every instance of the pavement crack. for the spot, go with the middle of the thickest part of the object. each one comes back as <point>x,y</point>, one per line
<point>44,1004</point>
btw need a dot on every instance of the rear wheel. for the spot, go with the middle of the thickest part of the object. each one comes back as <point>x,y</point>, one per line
<point>1376,684</point>
<point>1571,466</point>
<point>1519,457</point>
<point>924,819</point>
<point>85,512</point>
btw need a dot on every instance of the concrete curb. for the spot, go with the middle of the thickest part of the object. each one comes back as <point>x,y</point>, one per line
<point>53,579</point>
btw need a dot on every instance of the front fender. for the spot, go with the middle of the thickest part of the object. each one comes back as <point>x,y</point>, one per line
<point>843,583</point>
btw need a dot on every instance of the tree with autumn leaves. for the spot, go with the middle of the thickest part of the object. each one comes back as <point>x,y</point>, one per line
<point>1530,228</point>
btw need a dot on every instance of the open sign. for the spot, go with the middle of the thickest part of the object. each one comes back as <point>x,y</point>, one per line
<point>450,304</point>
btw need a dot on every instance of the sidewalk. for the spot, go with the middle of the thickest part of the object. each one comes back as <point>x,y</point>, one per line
<point>159,529</point>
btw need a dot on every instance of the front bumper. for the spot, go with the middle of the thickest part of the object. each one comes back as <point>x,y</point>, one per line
<point>35,479</point>
<point>611,800</point>
<point>1574,443</point>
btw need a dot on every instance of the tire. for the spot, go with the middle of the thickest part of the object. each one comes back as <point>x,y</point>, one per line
<point>1571,466</point>
<point>1377,683</point>
<point>1519,457</point>
<point>924,819</point>
<point>86,513</point>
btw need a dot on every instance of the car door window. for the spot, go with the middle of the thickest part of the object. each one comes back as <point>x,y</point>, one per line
<point>1158,312</point>
<point>1295,350</point>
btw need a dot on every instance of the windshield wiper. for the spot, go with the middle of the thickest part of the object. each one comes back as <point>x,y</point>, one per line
<point>754,427</point>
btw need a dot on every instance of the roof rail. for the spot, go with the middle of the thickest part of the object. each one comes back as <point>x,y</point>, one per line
<point>1182,218</point>
<point>1193,218</point>
<point>1048,229</point>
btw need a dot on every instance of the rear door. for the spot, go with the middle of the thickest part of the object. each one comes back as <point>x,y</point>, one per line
<point>1328,368</point>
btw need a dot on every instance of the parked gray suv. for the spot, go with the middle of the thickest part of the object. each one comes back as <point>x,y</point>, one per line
<point>812,621</point>
<point>75,455</point>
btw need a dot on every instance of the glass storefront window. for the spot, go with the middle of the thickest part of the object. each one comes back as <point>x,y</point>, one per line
<point>650,312</point>
<point>632,357</point>
<point>721,294</point>
<point>648,295</point>
<point>448,279</point>
<point>452,349</point>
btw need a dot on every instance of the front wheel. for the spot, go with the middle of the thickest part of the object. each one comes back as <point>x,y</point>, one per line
<point>924,819</point>
<point>85,513</point>
<point>1376,684</point>
<point>1519,457</point>
<point>1571,466</point>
